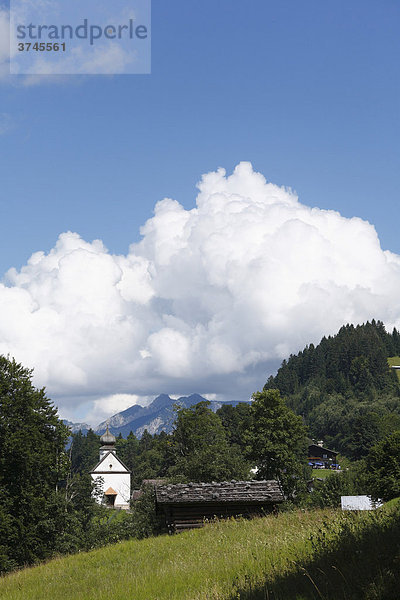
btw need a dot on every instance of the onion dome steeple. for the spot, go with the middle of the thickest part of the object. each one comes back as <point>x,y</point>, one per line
<point>108,439</point>
<point>107,442</point>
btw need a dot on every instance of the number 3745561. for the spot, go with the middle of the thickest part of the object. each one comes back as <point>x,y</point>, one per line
<point>41,47</point>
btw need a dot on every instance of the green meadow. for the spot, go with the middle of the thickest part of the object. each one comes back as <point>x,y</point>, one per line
<point>394,360</point>
<point>293,555</point>
<point>322,473</point>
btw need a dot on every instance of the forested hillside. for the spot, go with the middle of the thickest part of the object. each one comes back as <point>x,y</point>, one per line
<point>344,387</point>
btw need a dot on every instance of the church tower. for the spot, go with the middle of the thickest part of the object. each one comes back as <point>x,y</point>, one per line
<point>115,476</point>
<point>108,443</point>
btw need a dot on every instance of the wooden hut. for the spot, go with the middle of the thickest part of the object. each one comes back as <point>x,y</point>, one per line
<point>186,506</point>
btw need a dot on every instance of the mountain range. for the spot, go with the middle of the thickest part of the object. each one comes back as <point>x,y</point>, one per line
<point>158,416</point>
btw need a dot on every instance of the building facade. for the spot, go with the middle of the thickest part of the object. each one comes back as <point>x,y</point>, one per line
<point>113,475</point>
<point>322,458</point>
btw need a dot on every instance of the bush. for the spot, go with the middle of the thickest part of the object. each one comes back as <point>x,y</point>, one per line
<point>112,526</point>
<point>383,464</point>
<point>146,520</point>
<point>327,493</point>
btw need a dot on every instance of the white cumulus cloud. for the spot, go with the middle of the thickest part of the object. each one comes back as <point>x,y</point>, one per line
<point>209,301</point>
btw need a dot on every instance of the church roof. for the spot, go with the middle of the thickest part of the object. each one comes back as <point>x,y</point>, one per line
<point>110,492</point>
<point>126,470</point>
<point>108,438</point>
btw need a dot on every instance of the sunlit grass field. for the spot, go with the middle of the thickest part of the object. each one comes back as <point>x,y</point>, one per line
<point>206,563</point>
<point>263,558</point>
<point>322,473</point>
<point>395,360</point>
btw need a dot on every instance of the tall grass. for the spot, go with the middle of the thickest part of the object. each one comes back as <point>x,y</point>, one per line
<point>263,558</point>
<point>355,556</point>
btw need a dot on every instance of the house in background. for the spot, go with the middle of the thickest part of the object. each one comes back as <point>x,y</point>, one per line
<point>115,477</point>
<point>322,458</point>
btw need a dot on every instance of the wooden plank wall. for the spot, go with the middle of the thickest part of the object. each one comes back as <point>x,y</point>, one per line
<point>188,516</point>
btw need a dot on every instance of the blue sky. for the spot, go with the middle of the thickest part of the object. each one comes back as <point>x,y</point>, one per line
<point>307,91</point>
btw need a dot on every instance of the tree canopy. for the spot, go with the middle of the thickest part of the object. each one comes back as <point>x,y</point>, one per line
<point>32,461</point>
<point>201,449</point>
<point>277,441</point>
<point>383,468</point>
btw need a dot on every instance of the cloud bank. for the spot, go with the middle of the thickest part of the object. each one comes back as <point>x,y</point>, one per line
<point>209,301</point>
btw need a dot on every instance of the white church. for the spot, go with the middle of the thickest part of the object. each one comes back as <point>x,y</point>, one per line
<point>116,478</point>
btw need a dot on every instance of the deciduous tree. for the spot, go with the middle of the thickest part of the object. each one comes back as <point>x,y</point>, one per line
<point>201,449</point>
<point>383,465</point>
<point>32,460</point>
<point>277,441</point>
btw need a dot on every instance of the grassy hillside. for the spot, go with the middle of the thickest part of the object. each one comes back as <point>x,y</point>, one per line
<point>296,555</point>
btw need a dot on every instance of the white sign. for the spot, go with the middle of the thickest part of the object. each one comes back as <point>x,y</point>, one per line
<point>359,503</point>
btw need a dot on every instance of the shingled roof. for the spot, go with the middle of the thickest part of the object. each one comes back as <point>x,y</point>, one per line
<point>228,491</point>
